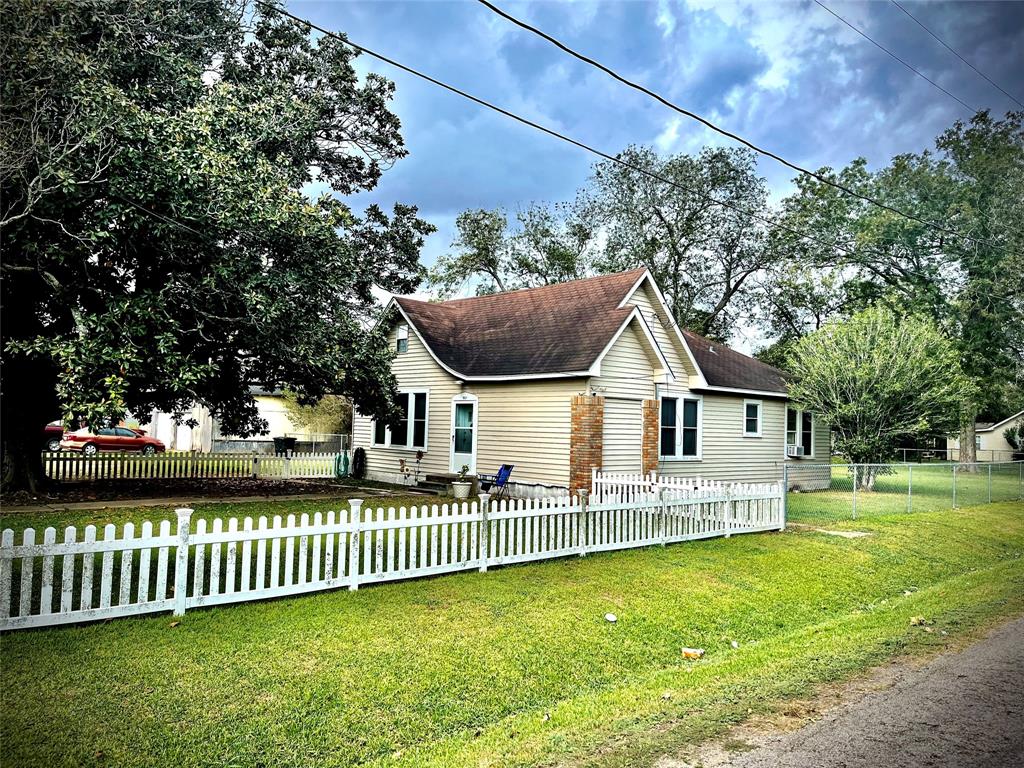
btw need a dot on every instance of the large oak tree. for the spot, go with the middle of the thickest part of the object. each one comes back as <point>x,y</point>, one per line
<point>157,245</point>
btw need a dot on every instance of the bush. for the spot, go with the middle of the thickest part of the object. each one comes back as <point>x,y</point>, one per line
<point>359,463</point>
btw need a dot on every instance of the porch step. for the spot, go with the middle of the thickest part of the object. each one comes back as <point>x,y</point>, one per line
<point>434,484</point>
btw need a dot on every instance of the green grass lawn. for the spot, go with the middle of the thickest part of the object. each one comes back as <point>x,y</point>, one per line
<point>932,486</point>
<point>513,667</point>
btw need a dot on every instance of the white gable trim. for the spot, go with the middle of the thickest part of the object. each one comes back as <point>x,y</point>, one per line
<point>664,308</point>
<point>1007,420</point>
<point>636,314</point>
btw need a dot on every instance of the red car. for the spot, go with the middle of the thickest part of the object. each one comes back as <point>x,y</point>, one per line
<point>52,434</point>
<point>111,439</point>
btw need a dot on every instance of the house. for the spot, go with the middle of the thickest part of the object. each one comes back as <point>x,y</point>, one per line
<point>989,442</point>
<point>206,435</point>
<point>564,378</point>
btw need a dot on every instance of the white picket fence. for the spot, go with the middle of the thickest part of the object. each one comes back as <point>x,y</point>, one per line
<point>238,560</point>
<point>68,466</point>
<point>624,486</point>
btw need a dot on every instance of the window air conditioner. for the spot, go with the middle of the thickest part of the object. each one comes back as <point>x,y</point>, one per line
<point>794,451</point>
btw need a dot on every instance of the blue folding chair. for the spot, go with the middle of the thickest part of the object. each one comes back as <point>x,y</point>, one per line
<point>498,480</point>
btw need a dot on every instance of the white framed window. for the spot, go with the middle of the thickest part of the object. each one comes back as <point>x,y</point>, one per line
<point>752,410</point>
<point>680,427</point>
<point>800,431</point>
<point>402,339</point>
<point>411,431</point>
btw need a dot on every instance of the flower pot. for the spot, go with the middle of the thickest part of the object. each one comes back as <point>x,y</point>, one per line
<point>460,489</point>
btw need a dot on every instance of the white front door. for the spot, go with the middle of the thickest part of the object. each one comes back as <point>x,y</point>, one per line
<point>464,433</point>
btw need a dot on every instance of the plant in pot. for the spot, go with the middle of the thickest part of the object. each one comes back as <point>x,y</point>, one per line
<point>460,487</point>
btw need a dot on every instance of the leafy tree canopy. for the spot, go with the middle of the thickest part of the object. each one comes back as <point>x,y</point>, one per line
<point>543,245</point>
<point>330,415</point>
<point>158,249</point>
<point>863,255</point>
<point>877,379</point>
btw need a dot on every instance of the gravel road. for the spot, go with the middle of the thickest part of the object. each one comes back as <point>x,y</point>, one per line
<point>963,709</point>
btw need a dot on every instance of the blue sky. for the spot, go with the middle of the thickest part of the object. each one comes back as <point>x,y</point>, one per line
<point>786,75</point>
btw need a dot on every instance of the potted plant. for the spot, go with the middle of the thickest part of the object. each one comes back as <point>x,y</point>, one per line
<point>461,487</point>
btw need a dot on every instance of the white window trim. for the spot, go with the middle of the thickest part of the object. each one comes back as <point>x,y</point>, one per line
<point>799,432</point>
<point>409,433</point>
<point>760,418</point>
<point>682,396</point>
<point>402,334</point>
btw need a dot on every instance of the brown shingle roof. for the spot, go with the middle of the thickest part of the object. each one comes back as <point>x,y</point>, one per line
<point>549,330</point>
<point>559,329</point>
<point>725,367</point>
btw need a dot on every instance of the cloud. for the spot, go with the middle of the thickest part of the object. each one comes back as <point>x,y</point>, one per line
<point>786,75</point>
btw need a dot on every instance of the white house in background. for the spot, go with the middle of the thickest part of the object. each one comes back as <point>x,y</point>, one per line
<point>206,436</point>
<point>989,442</point>
<point>587,374</point>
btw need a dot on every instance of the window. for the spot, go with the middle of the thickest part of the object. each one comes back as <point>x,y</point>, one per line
<point>679,436</point>
<point>800,430</point>
<point>411,431</point>
<point>751,418</point>
<point>402,342</point>
<point>124,432</point>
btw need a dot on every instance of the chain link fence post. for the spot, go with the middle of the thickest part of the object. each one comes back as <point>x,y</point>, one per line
<point>910,488</point>
<point>954,486</point>
<point>990,483</point>
<point>854,491</point>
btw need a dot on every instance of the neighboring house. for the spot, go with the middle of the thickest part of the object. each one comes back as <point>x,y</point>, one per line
<point>561,379</point>
<point>989,442</point>
<point>206,436</point>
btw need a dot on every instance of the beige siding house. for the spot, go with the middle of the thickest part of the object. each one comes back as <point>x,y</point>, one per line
<point>566,378</point>
<point>989,441</point>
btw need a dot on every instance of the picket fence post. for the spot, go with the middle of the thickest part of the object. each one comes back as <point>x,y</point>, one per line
<point>485,531</point>
<point>355,519</point>
<point>728,512</point>
<point>181,560</point>
<point>287,464</point>
<point>662,513</point>
<point>581,523</point>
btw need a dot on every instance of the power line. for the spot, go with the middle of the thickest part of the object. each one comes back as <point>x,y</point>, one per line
<point>551,132</point>
<point>683,111</point>
<point>955,53</point>
<point>881,47</point>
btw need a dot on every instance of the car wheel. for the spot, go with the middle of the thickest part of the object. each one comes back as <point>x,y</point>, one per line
<point>148,450</point>
<point>53,445</point>
<point>90,450</point>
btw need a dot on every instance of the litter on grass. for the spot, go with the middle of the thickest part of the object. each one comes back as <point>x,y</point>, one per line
<point>692,653</point>
<point>611,617</point>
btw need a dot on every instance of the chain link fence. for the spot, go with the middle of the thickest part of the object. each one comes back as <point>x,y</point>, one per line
<point>823,492</point>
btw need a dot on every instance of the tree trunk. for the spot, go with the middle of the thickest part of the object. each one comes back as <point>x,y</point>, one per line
<point>28,401</point>
<point>968,450</point>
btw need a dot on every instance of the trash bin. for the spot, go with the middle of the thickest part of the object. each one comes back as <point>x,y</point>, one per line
<point>284,444</point>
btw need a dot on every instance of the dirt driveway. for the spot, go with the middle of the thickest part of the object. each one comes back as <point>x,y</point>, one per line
<point>962,709</point>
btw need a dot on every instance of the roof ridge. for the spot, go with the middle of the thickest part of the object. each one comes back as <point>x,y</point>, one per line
<point>538,288</point>
<point>712,342</point>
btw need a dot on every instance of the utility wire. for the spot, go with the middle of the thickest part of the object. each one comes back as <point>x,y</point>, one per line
<point>562,137</point>
<point>955,53</point>
<point>681,110</point>
<point>881,47</point>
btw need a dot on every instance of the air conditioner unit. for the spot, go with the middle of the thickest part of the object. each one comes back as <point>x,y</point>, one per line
<point>794,451</point>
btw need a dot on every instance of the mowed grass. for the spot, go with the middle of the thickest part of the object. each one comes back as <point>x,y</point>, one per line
<point>513,667</point>
<point>80,518</point>
<point>931,486</point>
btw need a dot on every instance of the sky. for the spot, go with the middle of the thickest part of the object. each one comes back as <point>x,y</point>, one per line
<point>785,75</point>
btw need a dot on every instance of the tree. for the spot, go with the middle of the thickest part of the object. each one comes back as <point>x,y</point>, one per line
<point>544,245</point>
<point>705,256</point>
<point>877,379</point>
<point>970,286</point>
<point>330,415</point>
<point>158,249</point>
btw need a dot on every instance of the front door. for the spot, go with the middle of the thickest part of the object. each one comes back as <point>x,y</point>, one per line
<point>464,433</point>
